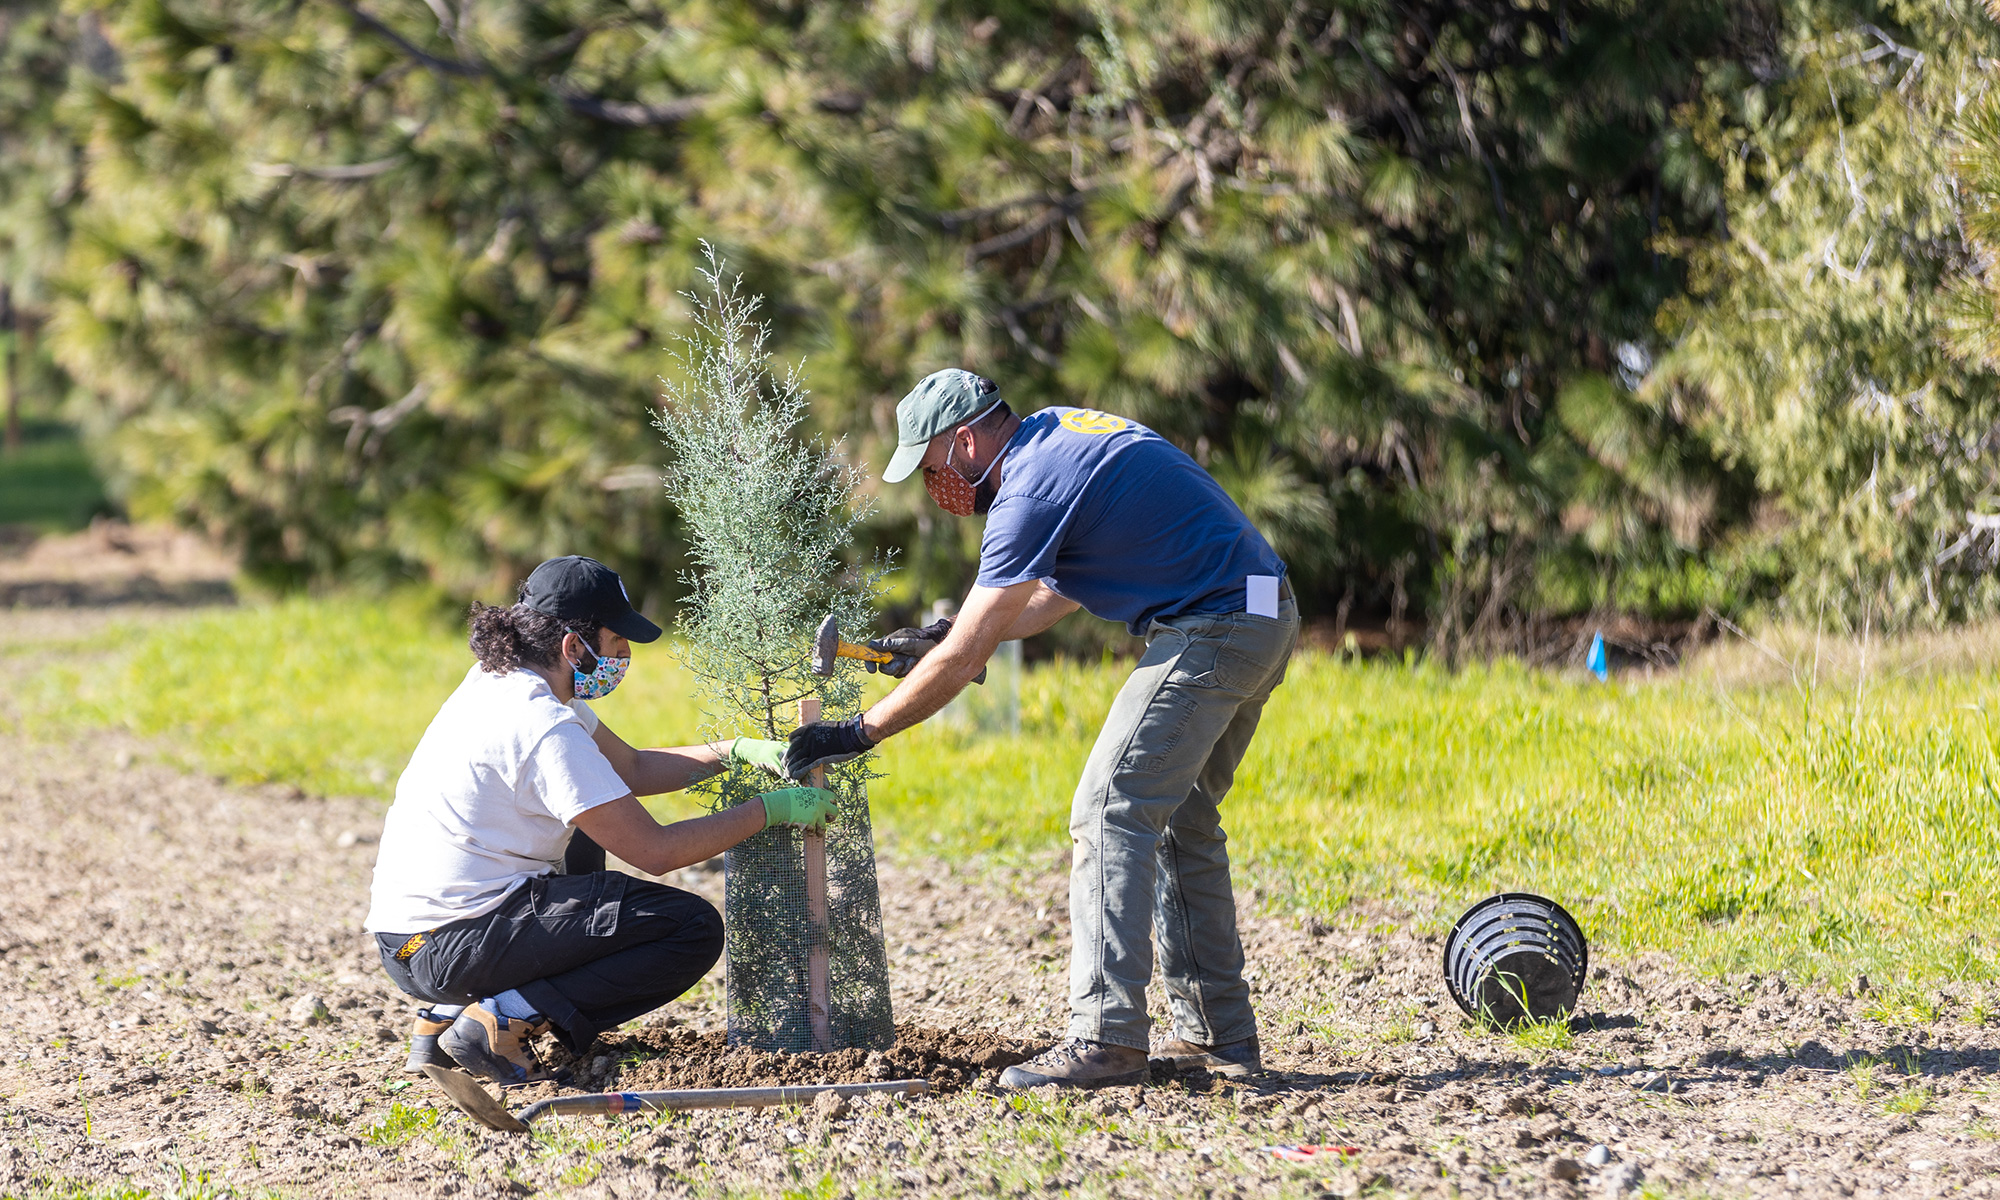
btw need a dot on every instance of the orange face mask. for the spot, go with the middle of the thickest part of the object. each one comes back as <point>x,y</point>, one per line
<point>952,491</point>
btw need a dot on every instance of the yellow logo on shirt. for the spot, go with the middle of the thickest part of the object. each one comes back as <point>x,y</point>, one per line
<point>1089,420</point>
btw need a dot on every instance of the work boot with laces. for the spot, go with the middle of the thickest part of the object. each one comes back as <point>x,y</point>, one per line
<point>486,1043</point>
<point>424,1050</point>
<point>1228,1058</point>
<point>1078,1063</point>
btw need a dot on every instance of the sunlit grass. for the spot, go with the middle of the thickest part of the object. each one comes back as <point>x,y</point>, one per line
<point>48,484</point>
<point>1542,1036</point>
<point>1912,1008</point>
<point>1861,1076</point>
<point>1910,1102</point>
<point>401,1123</point>
<point>1743,819</point>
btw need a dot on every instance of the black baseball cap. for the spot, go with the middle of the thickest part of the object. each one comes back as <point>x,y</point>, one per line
<point>576,588</point>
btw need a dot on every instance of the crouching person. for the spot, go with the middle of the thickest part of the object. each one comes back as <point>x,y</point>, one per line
<point>516,774</point>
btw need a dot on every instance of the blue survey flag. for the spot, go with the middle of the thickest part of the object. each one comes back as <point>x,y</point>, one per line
<point>1595,663</point>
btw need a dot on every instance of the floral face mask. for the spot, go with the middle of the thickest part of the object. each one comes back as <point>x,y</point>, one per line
<point>599,681</point>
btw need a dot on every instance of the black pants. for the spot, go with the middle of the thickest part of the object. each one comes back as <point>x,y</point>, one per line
<point>590,952</point>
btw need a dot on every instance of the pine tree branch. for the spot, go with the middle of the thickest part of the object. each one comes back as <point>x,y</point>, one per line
<point>631,113</point>
<point>445,66</point>
<point>628,113</point>
<point>1000,243</point>
<point>339,173</point>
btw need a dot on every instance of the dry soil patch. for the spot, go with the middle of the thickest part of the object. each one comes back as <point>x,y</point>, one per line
<point>187,996</point>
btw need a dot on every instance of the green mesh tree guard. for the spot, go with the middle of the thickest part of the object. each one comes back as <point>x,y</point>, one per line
<point>768,939</point>
<point>769,516</point>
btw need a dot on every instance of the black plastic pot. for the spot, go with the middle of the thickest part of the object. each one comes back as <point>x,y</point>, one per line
<point>1515,957</point>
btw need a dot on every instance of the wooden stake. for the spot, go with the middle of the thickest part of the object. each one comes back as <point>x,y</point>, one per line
<point>819,982</point>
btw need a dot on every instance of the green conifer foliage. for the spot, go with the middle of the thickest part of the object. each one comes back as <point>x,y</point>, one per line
<point>1975,315</point>
<point>377,288</point>
<point>768,517</point>
<point>39,169</point>
<point>1813,346</point>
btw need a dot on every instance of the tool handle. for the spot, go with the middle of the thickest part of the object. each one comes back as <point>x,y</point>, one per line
<point>864,653</point>
<point>869,654</point>
<point>682,1100</point>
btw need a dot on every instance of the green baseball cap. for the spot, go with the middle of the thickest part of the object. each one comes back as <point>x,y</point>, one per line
<point>943,400</point>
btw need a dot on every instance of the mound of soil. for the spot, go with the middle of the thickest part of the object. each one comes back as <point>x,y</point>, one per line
<point>677,1057</point>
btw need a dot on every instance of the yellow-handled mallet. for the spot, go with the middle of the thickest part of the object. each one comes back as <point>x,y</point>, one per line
<point>827,647</point>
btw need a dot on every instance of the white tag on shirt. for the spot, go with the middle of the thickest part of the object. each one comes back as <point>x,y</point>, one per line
<point>1260,595</point>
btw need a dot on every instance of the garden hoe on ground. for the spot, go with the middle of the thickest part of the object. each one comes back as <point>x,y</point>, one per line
<point>476,1102</point>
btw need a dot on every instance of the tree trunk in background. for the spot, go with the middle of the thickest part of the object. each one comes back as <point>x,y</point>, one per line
<point>10,377</point>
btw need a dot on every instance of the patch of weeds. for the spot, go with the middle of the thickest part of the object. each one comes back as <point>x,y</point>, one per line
<point>112,983</point>
<point>1980,1129</point>
<point>1401,1028</point>
<point>457,1143</point>
<point>71,1189</point>
<point>825,1188</point>
<point>1909,1008</point>
<point>1318,1020</point>
<point>1910,1102</point>
<point>1543,1036</point>
<point>1981,1013</point>
<point>1861,1076</point>
<point>401,1123</point>
<point>578,1175</point>
<point>574,1146</point>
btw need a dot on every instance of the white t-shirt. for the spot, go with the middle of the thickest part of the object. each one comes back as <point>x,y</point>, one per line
<point>487,801</point>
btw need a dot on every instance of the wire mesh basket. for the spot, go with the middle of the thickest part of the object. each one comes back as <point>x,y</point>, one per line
<point>1516,957</point>
<point>768,942</point>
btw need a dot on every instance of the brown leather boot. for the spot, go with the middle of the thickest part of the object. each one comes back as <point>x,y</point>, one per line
<point>1229,1058</point>
<point>489,1044</point>
<point>424,1044</point>
<point>1081,1064</point>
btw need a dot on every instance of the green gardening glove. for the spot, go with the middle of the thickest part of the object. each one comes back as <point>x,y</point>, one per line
<point>751,752</point>
<point>810,807</point>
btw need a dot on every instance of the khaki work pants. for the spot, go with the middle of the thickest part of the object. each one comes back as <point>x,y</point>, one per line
<point>1148,850</point>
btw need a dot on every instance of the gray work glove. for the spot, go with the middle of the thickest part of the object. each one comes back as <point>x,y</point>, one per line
<point>908,645</point>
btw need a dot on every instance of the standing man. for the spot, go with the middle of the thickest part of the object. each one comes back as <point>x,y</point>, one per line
<point>1086,509</point>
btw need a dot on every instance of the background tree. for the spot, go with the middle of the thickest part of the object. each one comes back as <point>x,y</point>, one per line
<point>39,172</point>
<point>376,289</point>
<point>1812,346</point>
<point>373,292</point>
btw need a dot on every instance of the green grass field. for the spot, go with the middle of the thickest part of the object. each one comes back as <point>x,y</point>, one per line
<point>1819,820</point>
<point>49,484</point>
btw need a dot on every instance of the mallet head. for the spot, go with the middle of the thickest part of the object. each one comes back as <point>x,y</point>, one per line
<point>826,646</point>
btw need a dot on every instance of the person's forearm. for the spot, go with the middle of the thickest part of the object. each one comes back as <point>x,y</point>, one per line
<point>1044,610</point>
<point>671,768</point>
<point>930,685</point>
<point>698,839</point>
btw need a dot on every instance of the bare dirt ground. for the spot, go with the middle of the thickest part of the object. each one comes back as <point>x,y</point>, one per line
<point>190,1007</point>
<point>112,563</point>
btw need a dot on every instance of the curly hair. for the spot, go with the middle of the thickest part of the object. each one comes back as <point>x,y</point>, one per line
<point>504,638</point>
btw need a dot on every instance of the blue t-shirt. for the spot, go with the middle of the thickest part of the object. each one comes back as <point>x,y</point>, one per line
<point>1115,517</point>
